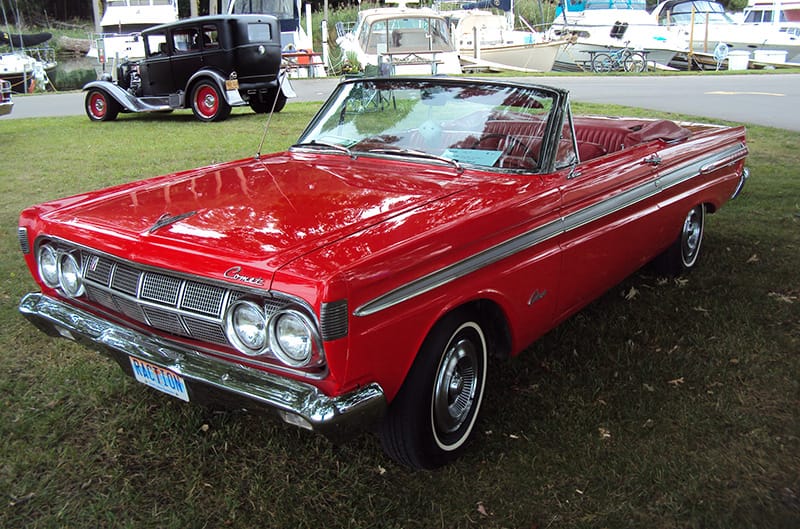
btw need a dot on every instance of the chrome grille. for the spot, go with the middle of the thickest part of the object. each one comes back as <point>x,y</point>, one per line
<point>205,299</point>
<point>203,330</point>
<point>125,280</point>
<point>162,301</point>
<point>164,320</point>
<point>160,288</point>
<point>99,270</point>
<point>129,308</point>
<point>99,296</point>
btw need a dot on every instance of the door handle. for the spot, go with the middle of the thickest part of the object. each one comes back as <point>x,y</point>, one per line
<point>653,159</point>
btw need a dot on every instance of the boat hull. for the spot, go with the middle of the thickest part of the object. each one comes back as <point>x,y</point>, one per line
<point>521,57</point>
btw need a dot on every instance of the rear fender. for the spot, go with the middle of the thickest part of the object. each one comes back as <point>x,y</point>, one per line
<point>231,96</point>
<point>286,86</point>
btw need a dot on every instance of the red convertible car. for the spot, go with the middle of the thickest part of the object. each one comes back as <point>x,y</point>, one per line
<point>418,231</point>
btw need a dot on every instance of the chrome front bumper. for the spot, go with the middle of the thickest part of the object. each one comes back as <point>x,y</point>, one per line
<point>210,380</point>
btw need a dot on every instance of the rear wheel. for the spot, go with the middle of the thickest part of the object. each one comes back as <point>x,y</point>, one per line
<point>262,107</point>
<point>635,62</point>
<point>100,106</point>
<point>433,415</point>
<point>685,251</point>
<point>208,103</point>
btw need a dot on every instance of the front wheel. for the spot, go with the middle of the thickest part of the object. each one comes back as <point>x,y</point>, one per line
<point>682,256</point>
<point>100,106</point>
<point>208,103</point>
<point>602,63</point>
<point>433,415</point>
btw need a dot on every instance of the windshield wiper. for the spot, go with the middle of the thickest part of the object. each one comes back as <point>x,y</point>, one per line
<point>314,144</point>
<point>419,154</point>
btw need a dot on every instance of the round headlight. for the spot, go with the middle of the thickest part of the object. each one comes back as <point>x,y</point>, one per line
<point>48,265</point>
<point>246,326</point>
<point>69,275</point>
<point>291,338</point>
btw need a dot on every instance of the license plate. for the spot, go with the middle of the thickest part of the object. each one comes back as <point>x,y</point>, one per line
<point>159,378</point>
<point>232,84</point>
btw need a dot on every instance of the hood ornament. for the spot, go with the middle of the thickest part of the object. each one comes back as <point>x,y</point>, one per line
<point>166,219</point>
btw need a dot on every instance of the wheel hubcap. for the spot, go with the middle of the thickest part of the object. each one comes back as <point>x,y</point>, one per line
<point>207,101</point>
<point>98,105</point>
<point>692,232</point>
<point>456,386</point>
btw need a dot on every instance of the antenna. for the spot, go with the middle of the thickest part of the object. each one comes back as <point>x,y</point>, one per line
<point>272,110</point>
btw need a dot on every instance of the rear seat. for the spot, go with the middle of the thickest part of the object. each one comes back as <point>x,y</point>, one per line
<point>595,136</point>
<point>615,134</point>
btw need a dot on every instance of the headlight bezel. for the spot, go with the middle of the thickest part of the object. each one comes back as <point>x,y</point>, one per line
<point>61,268</point>
<point>276,335</point>
<point>48,250</point>
<point>233,333</point>
<point>280,349</point>
<point>68,260</point>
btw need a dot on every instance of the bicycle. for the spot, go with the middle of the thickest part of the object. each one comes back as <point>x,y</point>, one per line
<point>624,59</point>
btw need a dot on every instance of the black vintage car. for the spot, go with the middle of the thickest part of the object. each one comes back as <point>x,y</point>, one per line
<point>208,64</point>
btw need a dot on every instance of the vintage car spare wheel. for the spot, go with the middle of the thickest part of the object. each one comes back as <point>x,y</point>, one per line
<point>433,415</point>
<point>100,106</point>
<point>208,103</point>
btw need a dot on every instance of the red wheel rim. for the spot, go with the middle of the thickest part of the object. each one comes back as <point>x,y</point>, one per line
<point>97,105</point>
<point>206,101</point>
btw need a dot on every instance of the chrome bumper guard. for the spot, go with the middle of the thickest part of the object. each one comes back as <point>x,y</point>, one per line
<point>297,403</point>
<point>742,180</point>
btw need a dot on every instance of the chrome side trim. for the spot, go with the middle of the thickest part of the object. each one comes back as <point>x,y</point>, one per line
<point>328,415</point>
<point>557,227</point>
<point>732,158</point>
<point>461,268</point>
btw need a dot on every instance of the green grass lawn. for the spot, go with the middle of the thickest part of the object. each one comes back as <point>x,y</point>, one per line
<point>664,404</point>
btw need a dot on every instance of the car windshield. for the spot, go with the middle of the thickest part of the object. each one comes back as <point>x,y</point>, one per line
<point>472,124</point>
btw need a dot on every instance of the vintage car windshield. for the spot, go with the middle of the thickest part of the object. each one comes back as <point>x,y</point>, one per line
<point>486,125</point>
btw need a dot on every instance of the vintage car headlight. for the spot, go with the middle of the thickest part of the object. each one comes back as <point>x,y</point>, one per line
<point>246,327</point>
<point>48,265</point>
<point>291,337</point>
<point>69,275</point>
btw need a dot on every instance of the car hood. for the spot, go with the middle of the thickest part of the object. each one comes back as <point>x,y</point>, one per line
<point>266,211</point>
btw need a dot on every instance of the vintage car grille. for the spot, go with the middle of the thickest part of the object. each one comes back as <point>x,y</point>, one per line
<point>168,303</point>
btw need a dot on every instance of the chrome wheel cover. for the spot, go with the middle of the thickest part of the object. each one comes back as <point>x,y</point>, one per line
<point>692,236</point>
<point>456,386</point>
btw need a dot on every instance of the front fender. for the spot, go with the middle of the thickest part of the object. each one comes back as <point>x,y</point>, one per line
<point>231,96</point>
<point>128,101</point>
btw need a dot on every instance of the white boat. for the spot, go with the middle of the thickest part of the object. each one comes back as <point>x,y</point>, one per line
<point>713,26</point>
<point>785,15</point>
<point>603,25</point>
<point>122,23</point>
<point>500,46</point>
<point>403,41</point>
<point>27,69</point>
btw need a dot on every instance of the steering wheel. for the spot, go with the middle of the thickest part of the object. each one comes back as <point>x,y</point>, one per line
<point>508,144</point>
